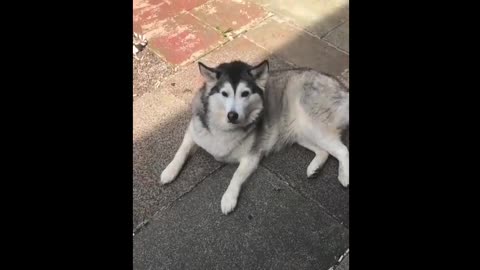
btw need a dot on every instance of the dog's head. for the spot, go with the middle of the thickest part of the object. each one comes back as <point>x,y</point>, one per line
<point>234,92</point>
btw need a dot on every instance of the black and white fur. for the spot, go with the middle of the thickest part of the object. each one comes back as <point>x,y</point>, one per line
<point>139,43</point>
<point>243,113</point>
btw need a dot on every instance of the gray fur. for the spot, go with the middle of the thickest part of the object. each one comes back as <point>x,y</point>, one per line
<point>284,107</point>
<point>322,97</point>
<point>200,107</point>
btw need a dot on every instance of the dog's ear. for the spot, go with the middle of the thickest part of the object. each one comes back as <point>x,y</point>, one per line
<point>260,73</point>
<point>208,73</point>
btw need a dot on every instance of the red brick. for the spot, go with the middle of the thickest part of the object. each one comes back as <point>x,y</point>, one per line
<point>183,38</point>
<point>137,28</point>
<point>140,3</point>
<point>229,14</point>
<point>148,13</point>
<point>185,83</point>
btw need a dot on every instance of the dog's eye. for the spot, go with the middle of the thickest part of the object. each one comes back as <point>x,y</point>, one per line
<point>245,94</point>
<point>224,94</point>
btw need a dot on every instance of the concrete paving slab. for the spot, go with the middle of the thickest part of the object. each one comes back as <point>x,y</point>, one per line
<point>316,17</point>
<point>291,165</point>
<point>340,37</point>
<point>298,47</point>
<point>344,264</point>
<point>159,123</point>
<point>148,72</point>
<point>273,227</point>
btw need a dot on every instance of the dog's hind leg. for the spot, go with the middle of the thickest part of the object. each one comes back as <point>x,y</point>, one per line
<point>245,169</point>
<point>187,148</point>
<point>320,136</point>
<point>320,157</point>
<point>334,146</point>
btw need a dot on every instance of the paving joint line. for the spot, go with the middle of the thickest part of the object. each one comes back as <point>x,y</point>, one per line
<point>272,53</point>
<point>292,24</point>
<point>236,34</point>
<point>145,222</point>
<point>333,29</point>
<point>339,261</point>
<point>282,180</point>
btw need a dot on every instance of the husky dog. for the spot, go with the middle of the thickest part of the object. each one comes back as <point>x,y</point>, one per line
<point>243,113</point>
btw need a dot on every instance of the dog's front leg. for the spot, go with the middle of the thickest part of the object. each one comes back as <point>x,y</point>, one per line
<point>245,169</point>
<point>187,148</point>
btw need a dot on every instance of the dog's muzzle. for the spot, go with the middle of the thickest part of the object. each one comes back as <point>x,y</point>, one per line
<point>232,117</point>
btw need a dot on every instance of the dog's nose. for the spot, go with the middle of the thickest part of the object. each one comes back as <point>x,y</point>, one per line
<point>232,116</point>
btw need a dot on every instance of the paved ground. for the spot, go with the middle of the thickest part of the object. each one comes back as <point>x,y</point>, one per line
<point>283,220</point>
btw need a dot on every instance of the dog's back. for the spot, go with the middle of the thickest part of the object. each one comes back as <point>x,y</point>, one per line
<point>295,100</point>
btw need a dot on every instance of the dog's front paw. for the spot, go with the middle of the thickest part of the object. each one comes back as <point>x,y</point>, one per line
<point>229,201</point>
<point>344,179</point>
<point>168,175</point>
<point>312,170</point>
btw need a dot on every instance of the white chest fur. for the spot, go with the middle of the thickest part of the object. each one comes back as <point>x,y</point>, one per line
<point>224,146</point>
